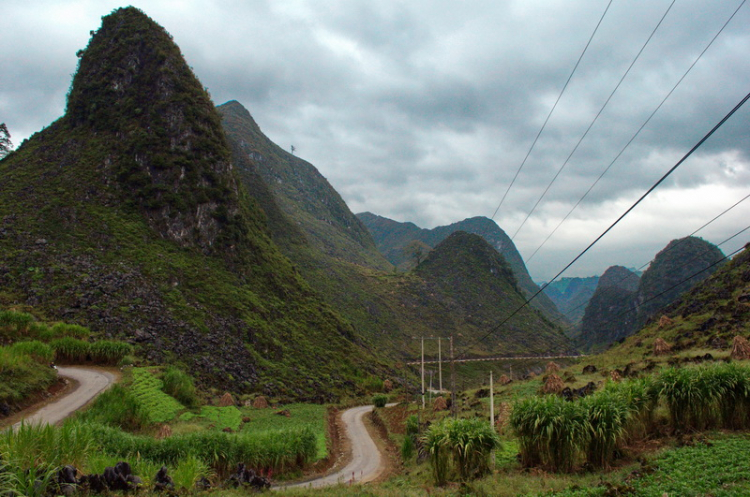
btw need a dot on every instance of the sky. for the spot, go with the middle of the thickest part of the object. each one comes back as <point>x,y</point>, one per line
<point>426,111</point>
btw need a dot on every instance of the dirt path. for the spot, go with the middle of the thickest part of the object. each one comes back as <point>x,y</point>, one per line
<point>90,382</point>
<point>366,462</point>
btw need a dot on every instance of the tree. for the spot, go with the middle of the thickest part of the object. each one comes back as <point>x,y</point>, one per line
<point>416,250</point>
<point>5,144</point>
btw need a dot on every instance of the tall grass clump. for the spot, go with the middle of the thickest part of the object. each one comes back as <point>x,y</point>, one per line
<point>34,446</point>
<point>39,351</point>
<point>466,443</point>
<point>608,415</point>
<point>72,350</point>
<point>734,403</point>
<point>14,324</point>
<point>117,407</point>
<point>704,397</point>
<point>62,330</point>
<point>179,385</point>
<point>109,351</point>
<point>552,432</point>
<point>379,400</point>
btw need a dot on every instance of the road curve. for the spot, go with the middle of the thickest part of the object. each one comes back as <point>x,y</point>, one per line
<point>91,382</point>
<point>366,463</point>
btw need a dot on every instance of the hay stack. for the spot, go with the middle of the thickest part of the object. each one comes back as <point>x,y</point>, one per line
<point>260,402</point>
<point>665,321</point>
<point>615,376</point>
<point>504,380</point>
<point>553,384</point>
<point>387,386</point>
<point>503,416</point>
<point>552,367</point>
<point>661,347</point>
<point>226,400</point>
<point>740,348</point>
<point>440,404</point>
<point>164,432</point>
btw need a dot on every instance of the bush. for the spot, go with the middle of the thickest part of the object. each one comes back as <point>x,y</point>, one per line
<point>468,443</point>
<point>40,352</point>
<point>180,386</point>
<point>109,351</point>
<point>70,349</point>
<point>380,400</point>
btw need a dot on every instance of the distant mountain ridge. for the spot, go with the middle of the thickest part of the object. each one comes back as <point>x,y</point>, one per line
<point>623,303</point>
<point>335,252</point>
<point>393,238</point>
<point>571,295</point>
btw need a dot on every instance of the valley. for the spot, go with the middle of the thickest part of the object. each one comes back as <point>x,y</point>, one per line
<point>239,328</point>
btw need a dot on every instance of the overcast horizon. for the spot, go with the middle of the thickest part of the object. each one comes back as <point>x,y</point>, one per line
<point>423,111</point>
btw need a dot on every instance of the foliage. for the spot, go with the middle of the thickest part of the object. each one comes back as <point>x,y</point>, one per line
<point>179,385</point>
<point>21,375</point>
<point>147,389</point>
<point>5,144</point>
<point>36,446</point>
<point>467,443</point>
<point>71,350</point>
<point>223,417</point>
<point>40,352</point>
<point>117,407</point>
<point>109,351</point>
<point>379,400</point>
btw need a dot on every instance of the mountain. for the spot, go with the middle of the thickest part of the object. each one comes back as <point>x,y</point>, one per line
<point>127,215</point>
<point>610,313</point>
<point>626,303</point>
<point>335,253</point>
<point>469,269</point>
<point>708,316</point>
<point>396,241</point>
<point>571,295</point>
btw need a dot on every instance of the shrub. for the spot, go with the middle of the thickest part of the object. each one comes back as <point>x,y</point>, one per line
<point>180,386</point>
<point>62,330</point>
<point>14,323</point>
<point>40,352</point>
<point>70,349</point>
<point>407,448</point>
<point>109,351</point>
<point>468,443</point>
<point>380,400</point>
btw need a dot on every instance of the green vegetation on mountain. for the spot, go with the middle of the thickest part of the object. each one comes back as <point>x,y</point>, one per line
<point>622,303</point>
<point>396,241</point>
<point>336,255</point>
<point>126,216</point>
<point>571,295</point>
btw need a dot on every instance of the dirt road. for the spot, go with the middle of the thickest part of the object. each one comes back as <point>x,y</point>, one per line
<point>90,383</point>
<point>366,463</point>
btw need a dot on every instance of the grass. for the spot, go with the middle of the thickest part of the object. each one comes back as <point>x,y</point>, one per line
<point>147,389</point>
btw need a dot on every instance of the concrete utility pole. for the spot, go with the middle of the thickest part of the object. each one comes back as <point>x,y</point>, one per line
<point>440,366</point>
<point>454,409</point>
<point>492,404</point>
<point>422,372</point>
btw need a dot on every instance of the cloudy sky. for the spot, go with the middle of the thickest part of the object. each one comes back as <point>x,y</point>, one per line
<point>424,111</point>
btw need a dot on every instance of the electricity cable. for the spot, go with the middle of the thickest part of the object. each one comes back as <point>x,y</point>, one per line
<point>622,216</point>
<point>544,125</point>
<point>636,133</point>
<point>596,118</point>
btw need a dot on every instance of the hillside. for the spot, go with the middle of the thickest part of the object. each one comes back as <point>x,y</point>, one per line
<point>624,303</point>
<point>396,241</point>
<point>385,308</point>
<point>570,295</point>
<point>126,215</point>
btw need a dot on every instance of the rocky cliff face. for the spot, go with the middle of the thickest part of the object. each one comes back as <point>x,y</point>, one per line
<point>126,215</point>
<point>622,303</point>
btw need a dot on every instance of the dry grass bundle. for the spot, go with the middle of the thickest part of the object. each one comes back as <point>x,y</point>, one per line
<point>661,347</point>
<point>164,432</point>
<point>615,375</point>
<point>553,384</point>
<point>260,402</point>
<point>504,379</point>
<point>740,348</point>
<point>503,415</point>
<point>440,404</point>
<point>387,386</point>
<point>226,400</point>
<point>665,321</point>
<point>552,367</point>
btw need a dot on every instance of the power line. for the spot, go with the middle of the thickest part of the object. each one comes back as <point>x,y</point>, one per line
<point>669,94</point>
<point>544,125</point>
<point>585,133</point>
<point>669,248</point>
<point>628,211</point>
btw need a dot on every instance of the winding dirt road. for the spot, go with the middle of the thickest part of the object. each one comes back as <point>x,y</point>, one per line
<point>366,463</point>
<point>90,382</point>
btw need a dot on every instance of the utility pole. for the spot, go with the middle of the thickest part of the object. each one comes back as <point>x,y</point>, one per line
<point>422,372</point>
<point>492,404</point>
<point>440,366</point>
<point>454,407</point>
